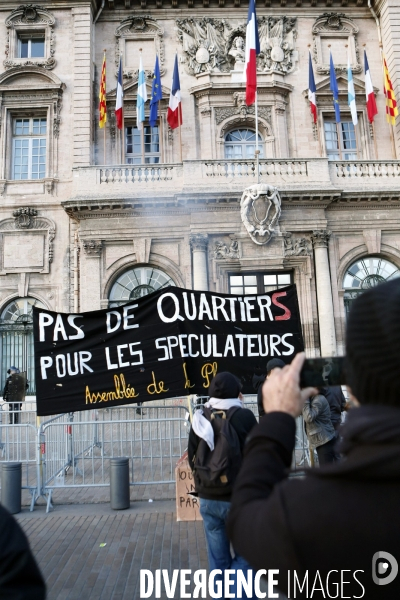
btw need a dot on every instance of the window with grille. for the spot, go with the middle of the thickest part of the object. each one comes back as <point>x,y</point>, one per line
<point>258,283</point>
<point>31,45</point>
<point>364,274</point>
<point>241,143</point>
<point>29,148</point>
<point>340,140</point>
<point>138,282</point>
<point>142,148</point>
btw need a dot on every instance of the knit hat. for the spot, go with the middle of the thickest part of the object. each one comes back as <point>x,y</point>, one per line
<point>275,363</point>
<point>373,345</point>
<point>224,386</point>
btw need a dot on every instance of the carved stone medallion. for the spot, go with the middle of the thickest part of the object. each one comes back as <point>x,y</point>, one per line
<point>260,209</point>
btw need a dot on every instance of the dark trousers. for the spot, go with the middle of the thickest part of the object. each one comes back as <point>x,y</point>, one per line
<point>15,408</point>
<point>327,453</point>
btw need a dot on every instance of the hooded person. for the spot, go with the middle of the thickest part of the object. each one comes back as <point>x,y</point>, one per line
<point>225,402</point>
<point>274,363</point>
<point>15,407</point>
<point>339,525</point>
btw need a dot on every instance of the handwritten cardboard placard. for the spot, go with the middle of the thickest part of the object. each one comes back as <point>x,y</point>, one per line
<point>187,506</point>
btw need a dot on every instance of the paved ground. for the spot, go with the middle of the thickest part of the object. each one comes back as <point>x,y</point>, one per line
<point>67,546</point>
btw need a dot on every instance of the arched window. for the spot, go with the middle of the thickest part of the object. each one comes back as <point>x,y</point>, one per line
<point>136,283</point>
<point>16,328</point>
<point>364,274</point>
<point>241,143</point>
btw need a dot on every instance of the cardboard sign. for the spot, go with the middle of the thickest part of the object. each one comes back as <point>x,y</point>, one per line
<point>187,506</point>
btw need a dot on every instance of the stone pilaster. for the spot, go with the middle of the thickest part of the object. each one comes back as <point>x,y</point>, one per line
<point>90,275</point>
<point>199,245</point>
<point>324,293</point>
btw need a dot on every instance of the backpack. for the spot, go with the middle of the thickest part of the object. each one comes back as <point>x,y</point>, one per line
<point>215,471</point>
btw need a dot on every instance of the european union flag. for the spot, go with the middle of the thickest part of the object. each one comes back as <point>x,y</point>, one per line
<point>334,89</point>
<point>156,94</point>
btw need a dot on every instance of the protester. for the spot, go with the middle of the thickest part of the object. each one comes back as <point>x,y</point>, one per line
<point>274,363</point>
<point>343,517</point>
<point>319,428</point>
<point>225,403</point>
<point>15,407</point>
<point>20,578</point>
<point>337,403</point>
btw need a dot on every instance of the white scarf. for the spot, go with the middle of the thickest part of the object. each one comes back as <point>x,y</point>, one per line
<point>202,427</point>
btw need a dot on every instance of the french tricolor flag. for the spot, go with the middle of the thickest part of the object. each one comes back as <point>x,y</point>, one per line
<point>312,90</point>
<point>174,114</point>
<point>252,49</point>
<point>372,109</point>
<point>119,104</point>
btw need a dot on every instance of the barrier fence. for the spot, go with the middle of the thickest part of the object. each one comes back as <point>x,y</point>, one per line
<point>73,450</point>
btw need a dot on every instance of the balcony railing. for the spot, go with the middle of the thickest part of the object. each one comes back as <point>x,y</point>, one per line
<point>198,177</point>
<point>248,168</point>
<point>380,171</point>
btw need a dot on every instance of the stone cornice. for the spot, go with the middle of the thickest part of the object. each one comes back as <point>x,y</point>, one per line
<point>113,7</point>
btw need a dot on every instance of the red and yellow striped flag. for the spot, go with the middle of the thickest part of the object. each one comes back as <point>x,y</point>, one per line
<point>102,96</point>
<point>391,104</point>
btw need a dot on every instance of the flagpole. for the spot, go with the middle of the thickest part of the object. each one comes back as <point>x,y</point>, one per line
<point>104,132</point>
<point>123,116</point>
<point>257,152</point>
<point>179,123</point>
<point>375,144</point>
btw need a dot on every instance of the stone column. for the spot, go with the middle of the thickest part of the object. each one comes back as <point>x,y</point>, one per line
<point>90,279</point>
<point>324,293</point>
<point>199,245</point>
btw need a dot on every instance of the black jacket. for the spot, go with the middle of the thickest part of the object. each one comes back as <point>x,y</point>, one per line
<point>336,401</point>
<point>20,578</point>
<point>335,518</point>
<point>243,421</point>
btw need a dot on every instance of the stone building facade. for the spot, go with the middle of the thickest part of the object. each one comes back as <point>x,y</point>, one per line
<point>89,219</point>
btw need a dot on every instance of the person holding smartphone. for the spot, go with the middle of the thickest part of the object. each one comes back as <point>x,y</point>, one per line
<point>320,431</point>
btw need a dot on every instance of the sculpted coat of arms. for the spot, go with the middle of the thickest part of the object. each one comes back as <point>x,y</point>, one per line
<point>260,209</point>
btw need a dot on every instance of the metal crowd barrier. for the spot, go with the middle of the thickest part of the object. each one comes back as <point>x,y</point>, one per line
<point>73,450</point>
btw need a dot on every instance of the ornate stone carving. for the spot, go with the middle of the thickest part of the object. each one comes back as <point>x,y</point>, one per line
<point>205,44</point>
<point>27,18</point>
<point>296,246</point>
<point>216,45</point>
<point>335,25</point>
<point>92,247</point>
<point>241,110</point>
<point>198,242</point>
<point>137,27</point>
<point>320,238</point>
<point>277,39</point>
<point>222,250</point>
<point>260,209</point>
<point>23,217</point>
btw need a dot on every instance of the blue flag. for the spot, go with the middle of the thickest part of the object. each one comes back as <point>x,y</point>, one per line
<point>156,94</point>
<point>334,89</point>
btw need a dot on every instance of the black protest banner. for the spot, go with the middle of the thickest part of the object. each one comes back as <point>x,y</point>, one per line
<point>169,343</point>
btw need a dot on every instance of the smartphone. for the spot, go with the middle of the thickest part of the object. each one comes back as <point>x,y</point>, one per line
<point>321,372</point>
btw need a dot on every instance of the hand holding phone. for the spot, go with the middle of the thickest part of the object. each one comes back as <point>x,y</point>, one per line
<point>322,372</point>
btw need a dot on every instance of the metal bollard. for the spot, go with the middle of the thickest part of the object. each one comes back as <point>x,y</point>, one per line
<point>11,482</point>
<point>119,483</point>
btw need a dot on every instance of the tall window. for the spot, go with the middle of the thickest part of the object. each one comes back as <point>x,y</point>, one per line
<point>31,45</point>
<point>241,143</point>
<point>142,149</point>
<point>29,148</point>
<point>258,283</point>
<point>364,274</point>
<point>16,330</point>
<point>340,140</point>
<point>136,283</point>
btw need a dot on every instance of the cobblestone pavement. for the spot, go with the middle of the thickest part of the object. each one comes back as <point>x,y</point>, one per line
<point>67,546</point>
